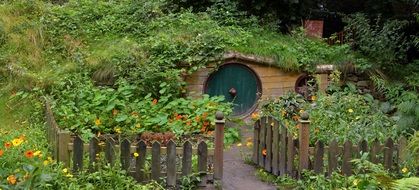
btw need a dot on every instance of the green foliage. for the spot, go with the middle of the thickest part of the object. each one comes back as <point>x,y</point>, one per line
<point>366,176</point>
<point>190,182</point>
<point>106,177</point>
<point>413,150</point>
<point>231,135</point>
<point>407,183</point>
<point>382,43</point>
<point>341,116</point>
<point>86,109</point>
<point>350,117</point>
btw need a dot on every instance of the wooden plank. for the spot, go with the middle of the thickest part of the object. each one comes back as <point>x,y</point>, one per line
<point>171,164</point>
<point>155,161</point>
<point>290,154</point>
<point>110,151</point>
<point>125,154</point>
<point>375,149</point>
<point>187,159</point>
<point>93,154</point>
<point>332,157</point>
<point>318,157</point>
<point>219,146</point>
<point>55,143</point>
<point>262,147</point>
<point>63,152</point>
<point>283,150</point>
<point>401,151</point>
<point>256,142</point>
<point>268,158</point>
<point>347,157</point>
<point>78,154</point>
<point>304,140</point>
<point>203,161</point>
<point>202,157</point>
<point>388,154</point>
<point>140,161</point>
<point>275,147</point>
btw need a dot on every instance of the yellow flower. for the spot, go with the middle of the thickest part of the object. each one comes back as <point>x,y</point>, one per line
<point>249,144</point>
<point>49,158</point>
<point>136,154</point>
<point>301,111</point>
<point>313,98</point>
<point>65,170</point>
<point>97,122</point>
<point>46,162</point>
<point>283,113</point>
<point>17,142</point>
<point>138,125</point>
<point>350,110</point>
<point>37,153</point>
<point>355,182</point>
<point>239,145</point>
<point>405,170</point>
<point>69,175</point>
<point>117,130</point>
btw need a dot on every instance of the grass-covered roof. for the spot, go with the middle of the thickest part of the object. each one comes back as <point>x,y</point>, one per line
<point>46,41</point>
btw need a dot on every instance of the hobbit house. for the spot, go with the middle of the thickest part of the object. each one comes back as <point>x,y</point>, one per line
<point>244,80</point>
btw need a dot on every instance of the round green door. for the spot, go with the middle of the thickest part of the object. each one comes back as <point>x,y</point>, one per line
<point>238,84</point>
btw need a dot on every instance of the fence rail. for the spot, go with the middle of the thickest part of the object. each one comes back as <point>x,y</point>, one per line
<point>277,151</point>
<point>170,162</point>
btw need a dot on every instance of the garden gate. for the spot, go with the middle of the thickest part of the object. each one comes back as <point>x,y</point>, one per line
<point>276,150</point>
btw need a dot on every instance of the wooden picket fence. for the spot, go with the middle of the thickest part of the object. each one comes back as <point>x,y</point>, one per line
<point>170,161</point>
<point>278,152</point>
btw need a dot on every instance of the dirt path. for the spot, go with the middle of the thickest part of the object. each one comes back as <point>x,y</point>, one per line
<point>237,174</point>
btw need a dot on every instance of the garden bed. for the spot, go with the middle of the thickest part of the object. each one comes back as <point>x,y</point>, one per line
<point>70,149</point>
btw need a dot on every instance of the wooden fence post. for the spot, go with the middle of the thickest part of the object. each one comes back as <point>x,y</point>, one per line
<point>304,139</point>
<point>219,146</point>
<point>63,152</point>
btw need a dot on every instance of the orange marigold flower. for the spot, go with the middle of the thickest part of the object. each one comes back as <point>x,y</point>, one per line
<point>206,123</point>
<point>29,154</point>
<point>1,152</point>
<point>204,115</point>
<point>255,116</point>
<point>295,117</point>
<point>264,152</point>
<point>210,132</point>
<point>197,118</point>
<point>155,101</point>
<point>7,144</point>
<point>11,179</point>
<point>178,117</point>
<point>203,129</point>
<point>188,123</point>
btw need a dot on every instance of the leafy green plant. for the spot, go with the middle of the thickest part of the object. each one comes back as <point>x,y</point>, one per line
<point>190,182</point>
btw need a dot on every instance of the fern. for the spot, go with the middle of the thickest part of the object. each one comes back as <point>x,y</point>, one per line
<point>407,183</point>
